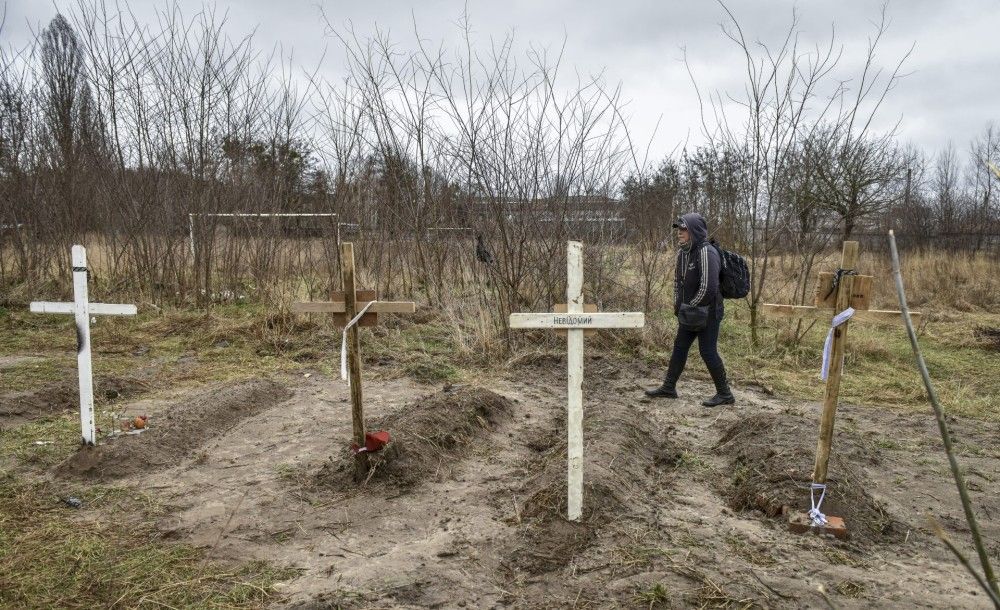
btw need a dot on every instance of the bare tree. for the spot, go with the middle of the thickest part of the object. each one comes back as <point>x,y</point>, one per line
<point>985,184</point>
<point>776,112</point>
<point>68,107</point>
<point>859,169</point>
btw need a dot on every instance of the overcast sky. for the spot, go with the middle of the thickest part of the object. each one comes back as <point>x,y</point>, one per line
<point>951,93</point>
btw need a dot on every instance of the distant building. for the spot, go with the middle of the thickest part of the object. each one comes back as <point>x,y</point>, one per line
<point>582,216</point>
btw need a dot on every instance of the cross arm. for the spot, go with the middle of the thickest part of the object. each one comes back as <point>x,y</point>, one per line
<point>97,309</point>
<point>339,307</point>
<point>578,320</point>
<point>814,313</point>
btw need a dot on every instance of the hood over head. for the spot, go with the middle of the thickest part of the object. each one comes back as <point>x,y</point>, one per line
<point>696,226</point>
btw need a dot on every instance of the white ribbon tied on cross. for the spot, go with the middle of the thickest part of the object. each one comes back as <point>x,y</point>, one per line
<point>343,342</point>
<point>838,319</point>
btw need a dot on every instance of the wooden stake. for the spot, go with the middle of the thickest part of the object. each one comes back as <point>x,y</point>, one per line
<point>574,390</point>
<point>345,305</point>
<point>993,589</point>
<point>361,463</point>
<point>848,262</point>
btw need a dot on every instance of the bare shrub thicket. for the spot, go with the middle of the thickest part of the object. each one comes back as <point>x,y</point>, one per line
<point>458,172</point>
<point>465,148</point>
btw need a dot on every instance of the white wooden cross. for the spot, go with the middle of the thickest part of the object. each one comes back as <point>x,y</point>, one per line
<point>575,321</point>
<point>82,310</point>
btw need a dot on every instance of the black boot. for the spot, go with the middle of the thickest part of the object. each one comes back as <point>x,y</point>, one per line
<point>674,370</point>
<point>723,396</point>
<point>667,390</point>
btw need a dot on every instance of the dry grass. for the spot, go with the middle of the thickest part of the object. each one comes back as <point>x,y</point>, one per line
<point>452,341</point>
<point>51,557</point>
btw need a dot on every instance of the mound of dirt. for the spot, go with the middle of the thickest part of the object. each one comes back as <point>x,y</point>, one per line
<point>54,398</point>
<point>181,429</point>
<point>626,462</point>
<point>428,437</point>
<point>771,460</point>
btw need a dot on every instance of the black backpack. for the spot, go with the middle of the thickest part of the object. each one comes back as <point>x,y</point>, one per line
<point>734,274</point>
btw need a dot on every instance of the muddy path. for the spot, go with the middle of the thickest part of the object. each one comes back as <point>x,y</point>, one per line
<point>672,516</point>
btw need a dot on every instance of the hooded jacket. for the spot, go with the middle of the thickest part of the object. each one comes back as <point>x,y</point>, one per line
<point>696,275</point>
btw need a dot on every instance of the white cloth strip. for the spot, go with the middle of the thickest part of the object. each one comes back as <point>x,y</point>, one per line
<point>343,342</point>
<point>818,518</point>
<point>838,319</point>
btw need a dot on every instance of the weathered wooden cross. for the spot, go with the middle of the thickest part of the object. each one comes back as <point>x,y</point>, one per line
<point>352,308</point>
<point>575,318</point>
<point>82,309</point>
<point>840,297</point>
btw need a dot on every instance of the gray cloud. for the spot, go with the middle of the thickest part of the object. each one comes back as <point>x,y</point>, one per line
<point>951,94</point>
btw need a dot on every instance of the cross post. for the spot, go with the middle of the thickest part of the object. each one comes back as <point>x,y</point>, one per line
<point>831,393</point>
<point>82,310</point>
<point>575,321</point>
<point>353,308</point>
<point>843,296</point>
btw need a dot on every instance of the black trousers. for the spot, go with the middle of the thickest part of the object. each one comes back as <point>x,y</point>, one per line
<point>708,347</point>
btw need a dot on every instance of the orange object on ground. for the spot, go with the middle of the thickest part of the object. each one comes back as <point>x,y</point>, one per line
<point>374,441</point>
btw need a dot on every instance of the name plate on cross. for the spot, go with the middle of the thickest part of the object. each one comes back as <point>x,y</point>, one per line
<point>573,321</point>
<point>581,321</point>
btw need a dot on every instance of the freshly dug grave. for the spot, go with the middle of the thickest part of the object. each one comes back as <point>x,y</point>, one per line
<point>771,460</point>
<point>428,438</point>
<point>177,433</point>
<point>627,462</point>
<point>54,398</point>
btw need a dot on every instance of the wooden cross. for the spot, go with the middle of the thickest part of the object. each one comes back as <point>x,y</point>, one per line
<point>82,309</point>
<point>835,293</point>
<point>575,318</point>
<point>345,306</point>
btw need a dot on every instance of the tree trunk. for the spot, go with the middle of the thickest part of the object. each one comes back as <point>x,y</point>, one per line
<point>849,221</point>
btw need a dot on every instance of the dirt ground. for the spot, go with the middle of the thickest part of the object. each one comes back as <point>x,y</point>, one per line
<point>682,504</point>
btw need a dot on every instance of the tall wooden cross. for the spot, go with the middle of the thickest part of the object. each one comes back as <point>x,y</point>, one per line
<point>346,306</point>
<point>839,298</point>
<point>575,318</point>
<point>82,309</point>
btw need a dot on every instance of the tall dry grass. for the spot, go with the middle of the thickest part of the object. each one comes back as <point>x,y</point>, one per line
<point>940,279</point>
<point>945,284</point>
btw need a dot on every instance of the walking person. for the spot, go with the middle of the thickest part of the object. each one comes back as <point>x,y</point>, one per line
<point>698,305</point>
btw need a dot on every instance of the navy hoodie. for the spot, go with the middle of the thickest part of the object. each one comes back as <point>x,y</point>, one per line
<point>696,276</point>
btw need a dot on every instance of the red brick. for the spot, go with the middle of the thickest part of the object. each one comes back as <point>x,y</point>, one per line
<point>800,523</point>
